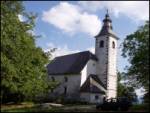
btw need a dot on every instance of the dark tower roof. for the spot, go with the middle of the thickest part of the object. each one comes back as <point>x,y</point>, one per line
<point>107,27</point>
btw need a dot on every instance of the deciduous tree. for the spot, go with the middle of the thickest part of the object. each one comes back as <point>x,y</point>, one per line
<point>23,71</point>
<point>124,90</point>
<point>136,49</point>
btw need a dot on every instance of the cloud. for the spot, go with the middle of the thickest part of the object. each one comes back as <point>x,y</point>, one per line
<point>94,5</point>
<point>135,10</point>
<point>91,49</point>
<point>43,35</point>
<point>21,18</point>
<point>82,17</point>
<point>140,92</point>
<point>71,19</point>
<point>60,51</point>
<point>64,50</point>
<point>32,32</point>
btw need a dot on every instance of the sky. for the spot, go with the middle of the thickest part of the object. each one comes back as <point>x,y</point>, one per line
<point>70,26</point>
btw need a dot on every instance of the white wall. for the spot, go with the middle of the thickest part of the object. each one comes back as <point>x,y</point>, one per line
<point>112,71</point>
<point>85,97</point>
<point>90,68</point>
<point>106,65</point>
<point>90,97</point>
<point>73,84</point>
<point>99,100</point>
<point>102,55</point>
<point>112,57</point>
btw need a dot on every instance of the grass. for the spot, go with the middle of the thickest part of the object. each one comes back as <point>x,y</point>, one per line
<point>30,107</point>
<point>36,108</point>
<point>140,107</point>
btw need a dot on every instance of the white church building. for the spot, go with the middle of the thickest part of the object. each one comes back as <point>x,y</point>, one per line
<point>85,76</point>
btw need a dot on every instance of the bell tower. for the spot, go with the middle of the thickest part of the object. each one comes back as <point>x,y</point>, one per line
<point>106,52</point>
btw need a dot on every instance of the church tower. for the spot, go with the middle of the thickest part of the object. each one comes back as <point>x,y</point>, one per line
<point>106,52</point>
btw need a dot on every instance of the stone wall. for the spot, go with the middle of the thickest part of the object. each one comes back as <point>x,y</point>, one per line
<point>72,86</point>
<point>91,97</point>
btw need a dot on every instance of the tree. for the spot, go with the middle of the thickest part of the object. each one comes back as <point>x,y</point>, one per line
<point>23,74</point>
<point>136,49</point>
<point>124,90</point>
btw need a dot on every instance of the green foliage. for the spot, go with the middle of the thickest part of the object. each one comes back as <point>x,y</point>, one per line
<point>136,49</point>
<point>140,107</point>
<point>23,72</point>
<point>124,90</point>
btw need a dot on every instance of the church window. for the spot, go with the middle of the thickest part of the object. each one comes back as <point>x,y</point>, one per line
<point>65,90</point>
<point>96,97</point>
<point>66,79</point>
<point>113,44</point>
<point>53,79</point>
<point>101,43</point>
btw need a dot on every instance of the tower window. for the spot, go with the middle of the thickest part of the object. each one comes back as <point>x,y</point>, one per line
<point>101,43</point>
<point>113,44</point>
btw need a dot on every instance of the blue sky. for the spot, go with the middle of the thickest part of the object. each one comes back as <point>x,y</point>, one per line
<point>71,26</point>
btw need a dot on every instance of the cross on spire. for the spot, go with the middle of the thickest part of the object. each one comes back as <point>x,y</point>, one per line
<point>107,11</point>
<point>107,14</point>
<point>107,18</point>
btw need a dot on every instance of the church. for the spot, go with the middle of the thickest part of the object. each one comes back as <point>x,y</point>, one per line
<point>85,76</point>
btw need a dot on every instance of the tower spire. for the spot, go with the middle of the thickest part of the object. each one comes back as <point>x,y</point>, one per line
<point>107,11</point>
<point>107,18</point>
<point>107,26</point>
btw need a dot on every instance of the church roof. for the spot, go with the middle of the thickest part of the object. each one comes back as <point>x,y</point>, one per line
<point>107,28</point>
<point>93,87</point>
<point>69,64</point>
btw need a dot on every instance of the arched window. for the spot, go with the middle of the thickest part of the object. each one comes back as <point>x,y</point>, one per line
<point>101,44</point>
<point>113,44</point>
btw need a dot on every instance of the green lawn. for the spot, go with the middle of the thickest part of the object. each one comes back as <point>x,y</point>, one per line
<point>32,109</point>
<point>140,107</point>
<point>66,108</point>
<point>52,109</point>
